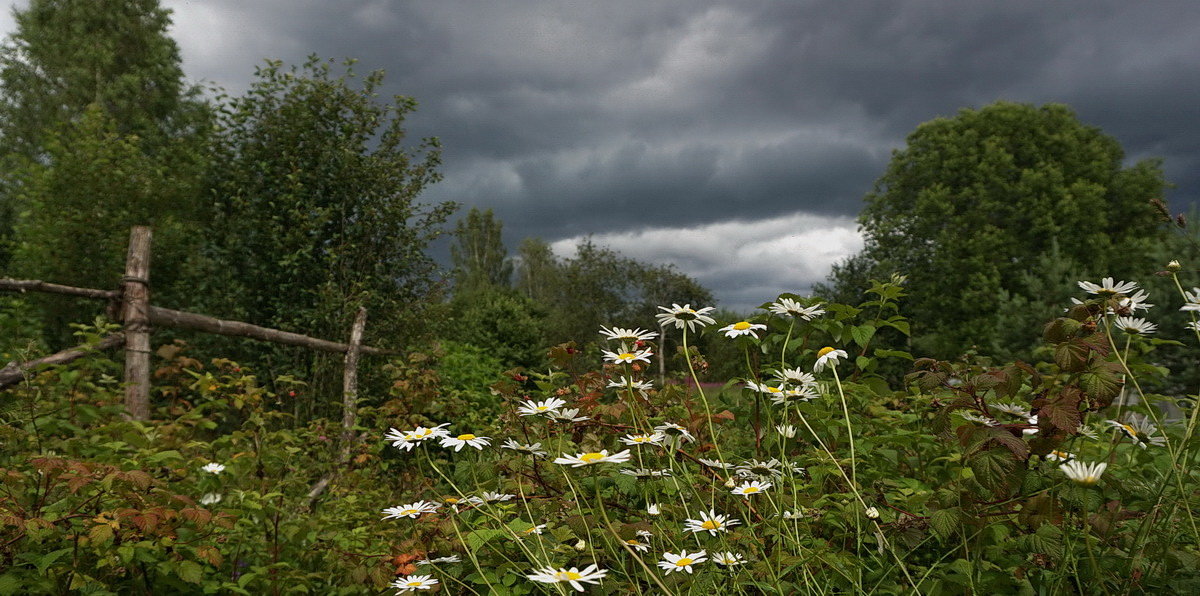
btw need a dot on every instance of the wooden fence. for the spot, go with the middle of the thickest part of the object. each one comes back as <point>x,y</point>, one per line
<point>130,305</point>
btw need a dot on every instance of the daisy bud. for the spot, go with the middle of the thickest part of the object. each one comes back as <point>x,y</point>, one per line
<point>1174,266</point>
<point>872,513</point>
<point>581,545</point>
<point>652,509</point>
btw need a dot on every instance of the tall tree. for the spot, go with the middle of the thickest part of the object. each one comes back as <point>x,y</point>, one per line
<point>974,200</point>
<point>98,132</point>
<point>315,210</point>
<point>478,252</point>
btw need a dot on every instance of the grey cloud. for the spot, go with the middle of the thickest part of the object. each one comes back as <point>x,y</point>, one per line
<point>570,118</point>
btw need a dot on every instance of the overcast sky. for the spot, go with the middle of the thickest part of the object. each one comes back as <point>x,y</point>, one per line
<point>736,138</point>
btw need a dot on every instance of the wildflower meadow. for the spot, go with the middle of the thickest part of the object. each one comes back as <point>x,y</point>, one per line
<point>809,473</point>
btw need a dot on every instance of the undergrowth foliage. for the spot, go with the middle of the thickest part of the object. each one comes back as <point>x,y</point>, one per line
<point>817,470</point>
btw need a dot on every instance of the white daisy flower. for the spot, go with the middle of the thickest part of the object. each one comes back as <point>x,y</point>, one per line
<point>630,335</point>
<point>728,559</point>
<point>1107,287</point>
<point>628,356</point>
<point>414,582</point>
<point>792,308</point>
<point>644,439</point>
<point>828,356</point>
<point>492,497</point>
<point>534,449</point>
<point>1081,473</point>
<point>587,459</point>
<point>637,544</point>
<point>573,576</point>
<point>628,383</point>
<point>406,440</point>
<point>765,388</point>
<point>455,503</point>
<point>711,522</point>
<point>1140,430</point>
<point>653,509</point>
<point>795,376</point>
<point>1194,325</point>
<point>742,328</point>
<point>1134,325</point>
<point>440,560</point>
<point>1011,408</point>
<point>465,439</point>
<point>761,469</point>
<point>681,562</point>
<point>210,499</point>
<point>1136,302</point>
<point>973,417</point>
<point>674,431</point>
<point>713,463</point>
<point>411,510</point>
<point>1192,300</point>
<point>535,530</point>
<point>793,395</point>
<point>1089,431</point>
<point>1033,421</point>
<point>753,487</point>
<point>1059,456</point>
<point>685,315</point>
<point>213,468</point>
<point>569,415</point>
<point>787,431</point>
<point>533,408</point>
<point>646,473</point>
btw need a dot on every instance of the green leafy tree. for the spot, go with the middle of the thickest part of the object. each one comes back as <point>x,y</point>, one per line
<point>479,256</point>
<point>98,132</point>
<point>315,211</point>
<point>974,201</point>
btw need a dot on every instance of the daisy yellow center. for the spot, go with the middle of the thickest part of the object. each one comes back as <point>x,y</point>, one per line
<point>633,542</point>
<point>568,575</point>
<point>452,500</point>
<point>750,489</point>
<point>641,439</point>
<point>684,562</point>
<point>711,524</point>
<point>1062,454</point>
<point>591,457</point>
<point>1129,429</point>
<point>408,511</point>
<point>466,437</point>
<point>625,356</point>
<point>741,326</point>
<point>824,351</point>
<point>773,390</point>
<point>415,584</point>
<point>542,408</point>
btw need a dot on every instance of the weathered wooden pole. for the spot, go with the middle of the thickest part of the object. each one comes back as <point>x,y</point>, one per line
<point>350,383</point>
<point>135,315</point>
<point>15,372</point>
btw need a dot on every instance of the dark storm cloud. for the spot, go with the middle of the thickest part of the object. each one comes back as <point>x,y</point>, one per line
<point>575,118</point>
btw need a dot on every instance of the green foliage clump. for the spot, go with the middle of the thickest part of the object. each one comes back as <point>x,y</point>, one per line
<point>971,206</point>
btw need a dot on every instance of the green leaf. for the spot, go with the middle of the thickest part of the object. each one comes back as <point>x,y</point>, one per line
<point>893,354</point>
<point>862,334</point>
<point>946,522</point>
<point>45,561</point>
<point>190,572</point>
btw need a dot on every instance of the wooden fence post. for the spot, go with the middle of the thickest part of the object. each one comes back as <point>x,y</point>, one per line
<point>350,383</point>
<point>135,315</point>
